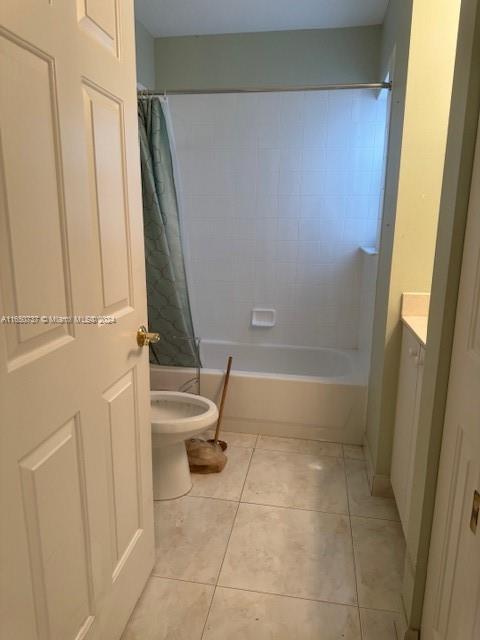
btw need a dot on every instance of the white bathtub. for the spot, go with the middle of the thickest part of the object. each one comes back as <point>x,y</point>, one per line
<point>282,390</point>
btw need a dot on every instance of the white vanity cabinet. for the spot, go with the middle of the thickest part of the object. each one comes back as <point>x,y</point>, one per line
<point>406,421</point>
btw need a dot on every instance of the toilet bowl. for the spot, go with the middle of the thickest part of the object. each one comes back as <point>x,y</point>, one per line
<point>176,417</point>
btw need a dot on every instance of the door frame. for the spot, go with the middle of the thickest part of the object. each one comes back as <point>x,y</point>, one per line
<point>462,134</point>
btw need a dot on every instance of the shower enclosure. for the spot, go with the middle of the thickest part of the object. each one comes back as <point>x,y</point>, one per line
<point>281,198</point>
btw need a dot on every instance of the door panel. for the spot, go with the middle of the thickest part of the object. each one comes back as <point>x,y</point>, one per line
<point>126,493</point>
<point>99,19</point>
<point>77,546</point>
<point>104,124</point>
<point>58,534</point>
<point>35,148</point>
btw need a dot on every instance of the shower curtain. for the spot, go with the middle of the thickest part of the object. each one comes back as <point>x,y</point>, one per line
<point>169,311</point>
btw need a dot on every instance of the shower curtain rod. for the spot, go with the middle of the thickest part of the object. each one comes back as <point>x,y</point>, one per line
<point>269,89</point>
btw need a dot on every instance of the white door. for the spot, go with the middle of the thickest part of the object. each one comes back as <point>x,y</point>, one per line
<point>76,499</point>
<point>452,604</point>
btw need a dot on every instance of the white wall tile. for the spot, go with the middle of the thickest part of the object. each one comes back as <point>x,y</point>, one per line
<point>279,191</point>
<point>312,183</point>
<point>291,159</point>
<point>289,206</point>
<point>314,159</point>
<point>266,206</point>
<point>289,183</point>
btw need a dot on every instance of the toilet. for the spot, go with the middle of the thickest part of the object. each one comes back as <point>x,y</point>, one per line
<point>176,417</point>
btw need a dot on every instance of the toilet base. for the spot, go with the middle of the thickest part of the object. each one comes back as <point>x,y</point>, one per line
<point>171,473</point>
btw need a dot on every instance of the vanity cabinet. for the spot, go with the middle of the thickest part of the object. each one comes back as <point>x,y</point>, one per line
<point>406,421</point>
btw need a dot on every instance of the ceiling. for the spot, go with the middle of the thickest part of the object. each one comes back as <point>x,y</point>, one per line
<point>203,17</point>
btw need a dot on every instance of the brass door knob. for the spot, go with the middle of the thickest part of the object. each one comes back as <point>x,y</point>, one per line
<point>144,338</point>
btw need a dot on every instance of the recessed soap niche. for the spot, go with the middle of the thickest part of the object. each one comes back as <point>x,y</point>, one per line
<point>263,318</point>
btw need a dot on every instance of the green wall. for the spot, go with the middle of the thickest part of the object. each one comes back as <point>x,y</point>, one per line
<point>145,55</point>
<point>269,58</point>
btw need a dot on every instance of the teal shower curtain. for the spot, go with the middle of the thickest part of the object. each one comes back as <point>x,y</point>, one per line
<point>169,310</point>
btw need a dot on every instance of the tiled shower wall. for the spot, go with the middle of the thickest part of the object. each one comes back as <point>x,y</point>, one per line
<point>279,191</point>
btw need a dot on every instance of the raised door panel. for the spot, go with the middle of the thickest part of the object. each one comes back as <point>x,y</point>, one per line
<point>55,514</point>
<point>99,19</point>
<point>34,256</point>
<point>459,587</point>
<point>123,437</point>
<point>106,154</point>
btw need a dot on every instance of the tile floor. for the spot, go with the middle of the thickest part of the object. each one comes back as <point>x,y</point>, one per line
<point>285,543</point>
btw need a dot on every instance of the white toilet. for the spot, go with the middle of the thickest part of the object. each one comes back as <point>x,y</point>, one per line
<point>175,417</point>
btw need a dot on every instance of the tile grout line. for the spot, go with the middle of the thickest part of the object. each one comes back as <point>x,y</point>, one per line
<point>288,595</point>
<point>302,453</point>
<point>320,442</point>
<point>279,595</point>
<point>293,508</point>
<point>218,573</point>
<point>159,577</point>
<point>227,545</point>
<point>259,435</point>
<point>353,554</point>
<point>377,610</point>
<point>208,612</point>
<point>235,517</point>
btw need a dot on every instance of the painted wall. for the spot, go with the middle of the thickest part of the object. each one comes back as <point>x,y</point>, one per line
<point>368,280</point>
<point>145,55</point>
<point>420,111</point>
<point>271,58</point>
<point>280,191</point>
<point>395,45</point>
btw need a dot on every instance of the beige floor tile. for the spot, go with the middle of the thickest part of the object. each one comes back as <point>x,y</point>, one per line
<point>191,535</point>
<point>379,559</point>
<point>297,445</point>
<point>361,502</point>
<point>169,610</point>
<point>353,451</point>
<point>243,615</point>
<point>291,552</point>
<point>296,480</point>
<point>229,483</point>
<point>382,625</point>
<point>234,439</point>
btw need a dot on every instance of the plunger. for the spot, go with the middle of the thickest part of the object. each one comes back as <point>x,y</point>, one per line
<point>215,439</point>
<point>207,456</point>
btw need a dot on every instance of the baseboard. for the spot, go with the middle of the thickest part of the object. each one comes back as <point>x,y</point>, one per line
<point>380,485</point>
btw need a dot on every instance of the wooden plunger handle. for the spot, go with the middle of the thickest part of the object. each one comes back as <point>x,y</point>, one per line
<point>224,395</point>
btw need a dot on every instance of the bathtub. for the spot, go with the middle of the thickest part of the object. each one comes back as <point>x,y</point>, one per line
<point>279,390</point>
